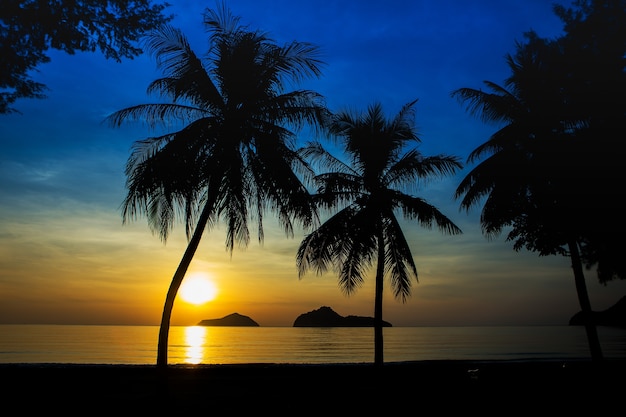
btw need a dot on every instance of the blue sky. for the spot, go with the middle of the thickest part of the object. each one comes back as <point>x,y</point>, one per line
<point>66,257</point>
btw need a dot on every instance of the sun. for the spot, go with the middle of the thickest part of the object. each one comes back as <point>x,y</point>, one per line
<point>198,289</point>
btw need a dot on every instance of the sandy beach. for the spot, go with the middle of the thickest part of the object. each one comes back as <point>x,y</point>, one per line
<point>483,387</point>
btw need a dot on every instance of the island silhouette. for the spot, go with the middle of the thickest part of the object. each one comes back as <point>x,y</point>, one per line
<point>234,319</point>
<point>327,317</point>
<point>612,316</point>
<point>322,317</point>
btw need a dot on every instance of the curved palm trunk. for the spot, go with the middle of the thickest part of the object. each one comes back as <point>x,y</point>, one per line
<point>585,304</point>
<point>175,285</point>
<point>378,303</point>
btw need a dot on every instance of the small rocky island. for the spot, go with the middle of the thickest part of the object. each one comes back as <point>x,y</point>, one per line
<point>234,319</point>
<point>327,317</point>
<point>612,316</point>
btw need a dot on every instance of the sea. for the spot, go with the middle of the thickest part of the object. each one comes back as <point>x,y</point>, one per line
<point>137,345</point>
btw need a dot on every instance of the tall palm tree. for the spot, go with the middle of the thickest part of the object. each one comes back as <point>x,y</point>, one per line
<point>594,47</point>
<point>368,192</point>
<point>530,177</point>
<point>234,155</point>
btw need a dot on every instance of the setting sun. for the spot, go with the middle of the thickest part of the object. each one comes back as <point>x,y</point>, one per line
<point>198,289</point>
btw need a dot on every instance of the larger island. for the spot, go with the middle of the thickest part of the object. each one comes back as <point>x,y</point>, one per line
<point>327,317</point>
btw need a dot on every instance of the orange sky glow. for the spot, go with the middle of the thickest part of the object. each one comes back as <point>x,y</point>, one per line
<point>66,257</point>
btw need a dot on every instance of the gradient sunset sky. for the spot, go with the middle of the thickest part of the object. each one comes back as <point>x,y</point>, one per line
<point>66,257</point>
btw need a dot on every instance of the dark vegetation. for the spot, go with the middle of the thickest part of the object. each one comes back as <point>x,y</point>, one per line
<point>28,29</point>
<point>551,175</point>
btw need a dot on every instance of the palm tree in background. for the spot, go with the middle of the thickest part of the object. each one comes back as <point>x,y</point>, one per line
<point>593,51</point>
<point>234,155</point>
<point>369,191</point>
<point>532,178</point>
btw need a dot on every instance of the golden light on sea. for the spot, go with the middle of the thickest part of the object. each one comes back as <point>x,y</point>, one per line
<point>194,340</point>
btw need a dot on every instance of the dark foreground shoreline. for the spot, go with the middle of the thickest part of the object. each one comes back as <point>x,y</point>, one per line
<point>422,387</point>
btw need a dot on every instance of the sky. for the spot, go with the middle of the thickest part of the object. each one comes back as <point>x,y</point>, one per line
<point>66,257</point>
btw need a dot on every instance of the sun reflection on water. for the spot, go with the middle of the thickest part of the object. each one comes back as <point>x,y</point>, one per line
<point>194,342</point>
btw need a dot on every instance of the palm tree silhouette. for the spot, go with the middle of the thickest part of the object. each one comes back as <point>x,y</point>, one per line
<point>235,150</point>
<point>368,191</point>
<point>530,178</point>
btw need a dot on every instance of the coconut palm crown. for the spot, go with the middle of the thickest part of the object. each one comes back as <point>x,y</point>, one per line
<point>232,155</point>
<point>534,180</point>
<point>368,191</point>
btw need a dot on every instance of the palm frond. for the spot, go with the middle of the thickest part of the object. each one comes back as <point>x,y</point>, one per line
<point>323,248</point>
<point>510,168</point>
<point>358,250</point>
<point>155,114</point>
<point>171,49</point>
<point>145,149</point>
<point>273,171</point>
<point>221,20</point>
<point>489,107</point>
<point>322,159</point>
<point>399,263</point>
<point>337,188</point>
<point>298,108</point>
<point>353,269</point>
<point>185,75</point>
<point>402,126</point>
<point>300,61</point>
<point>412,167</point>
<point>426,214</point>
<point>473,188</point>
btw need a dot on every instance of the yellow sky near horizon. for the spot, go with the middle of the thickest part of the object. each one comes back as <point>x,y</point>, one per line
<point>83,266</point>
<point>66,257</point>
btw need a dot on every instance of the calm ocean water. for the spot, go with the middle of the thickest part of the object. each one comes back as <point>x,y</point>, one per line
<point>231,345</point>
